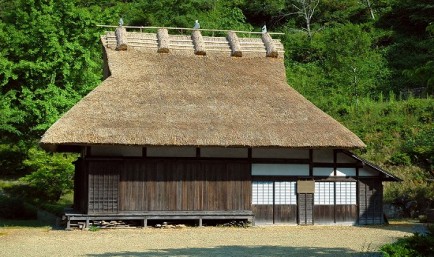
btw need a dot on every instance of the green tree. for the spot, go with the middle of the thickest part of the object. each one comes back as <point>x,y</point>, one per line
<point>51,174</point>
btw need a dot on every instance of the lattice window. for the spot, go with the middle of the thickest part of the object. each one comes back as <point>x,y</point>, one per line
<point>285,192</point>
<point>324,193</point>
<point>346,192</point>
<point>262,192</point>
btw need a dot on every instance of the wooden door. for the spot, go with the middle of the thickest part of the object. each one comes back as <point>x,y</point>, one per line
<point>305,209</point>
<point>104,186</point>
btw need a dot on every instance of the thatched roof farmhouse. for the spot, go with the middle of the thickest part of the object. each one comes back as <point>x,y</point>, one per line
<point>216,113</point>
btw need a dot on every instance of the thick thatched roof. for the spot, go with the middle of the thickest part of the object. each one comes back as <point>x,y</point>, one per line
<point>182,99</point>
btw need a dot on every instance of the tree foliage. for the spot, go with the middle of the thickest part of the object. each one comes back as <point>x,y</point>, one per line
<point>51,174</point>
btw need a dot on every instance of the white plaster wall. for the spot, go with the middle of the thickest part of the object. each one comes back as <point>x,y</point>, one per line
<point>116,150</point>
<point>224,152</point>
<point>273,169</point>
<point>280,153</point>
<point>170,151</point>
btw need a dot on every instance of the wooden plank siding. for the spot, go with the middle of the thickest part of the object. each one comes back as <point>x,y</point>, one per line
<point>263,213</point>
<point>370,202</point>
<point>325,214</point>
<point>168,185</point>
<point>285,214</point>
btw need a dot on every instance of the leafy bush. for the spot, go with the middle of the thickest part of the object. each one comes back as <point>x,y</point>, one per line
<point>400,159</point>
<point>421,146</point>
<point>414,246</point>
<point>52,174</point>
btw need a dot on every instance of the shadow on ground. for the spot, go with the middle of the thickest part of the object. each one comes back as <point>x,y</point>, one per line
<point>4,223</point>
<point>414,227</point>
<point>242,251</point>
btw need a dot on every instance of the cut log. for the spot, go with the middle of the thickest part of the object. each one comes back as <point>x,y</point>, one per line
<point>121,39</point>
<point>163,41</point>
<point>199,44</point>
<point>269,45</point>
<point>234,42</point>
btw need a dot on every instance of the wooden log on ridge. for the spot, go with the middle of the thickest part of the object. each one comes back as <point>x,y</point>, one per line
<point>234,42</point>
<point>163,41</point>
<point>199,44</point>
<point>269,45</point>
<point>121,39</point>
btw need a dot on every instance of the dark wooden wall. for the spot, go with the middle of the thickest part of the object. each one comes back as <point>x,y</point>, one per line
<point>275,214</point>
<point>134,185</point>
<point>370,202</point>
<point>182,185</point>
<point>335,213</point>
<point>80,186</point>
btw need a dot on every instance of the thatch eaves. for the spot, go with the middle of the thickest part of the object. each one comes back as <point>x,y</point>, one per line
<point>182,99</point>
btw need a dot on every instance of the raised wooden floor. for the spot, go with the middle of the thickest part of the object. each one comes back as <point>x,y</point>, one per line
<point>73,216</point>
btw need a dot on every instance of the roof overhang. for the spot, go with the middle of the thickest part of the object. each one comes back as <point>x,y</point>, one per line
<point>385,175</point>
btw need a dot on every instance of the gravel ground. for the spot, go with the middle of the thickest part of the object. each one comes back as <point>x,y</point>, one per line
<point>203,241</point>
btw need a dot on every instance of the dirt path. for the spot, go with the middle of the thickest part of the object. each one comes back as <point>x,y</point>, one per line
<point>202,241</point>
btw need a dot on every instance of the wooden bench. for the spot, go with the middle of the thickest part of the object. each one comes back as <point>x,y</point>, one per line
<point>71,215</point>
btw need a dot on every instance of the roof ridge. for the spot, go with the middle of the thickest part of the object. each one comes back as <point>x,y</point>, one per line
<point>163,42</point>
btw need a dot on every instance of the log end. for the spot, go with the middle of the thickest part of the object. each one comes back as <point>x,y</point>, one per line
<point>237,54</point>
<point>199,52</point>
<point>272,54</point>
<point>163,50</point>
<point>122,47</point>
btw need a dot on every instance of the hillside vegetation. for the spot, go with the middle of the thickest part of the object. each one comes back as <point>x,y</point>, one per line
<point>368,63</point>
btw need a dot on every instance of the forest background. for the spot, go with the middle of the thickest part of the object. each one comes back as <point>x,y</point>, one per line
<point>367,63</point>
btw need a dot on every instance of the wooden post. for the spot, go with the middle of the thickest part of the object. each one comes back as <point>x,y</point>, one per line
<point>199,44</point>
<point>234,42</point>
<point>163,41</point>
<point>269,45</point>
<point>121,39</point>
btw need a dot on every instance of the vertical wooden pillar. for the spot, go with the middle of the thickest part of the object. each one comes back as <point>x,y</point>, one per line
<point>163,41</point>
<point>234,42</point>
<point>269,45</point>
<point>121,39</point>
<point>199,44</point>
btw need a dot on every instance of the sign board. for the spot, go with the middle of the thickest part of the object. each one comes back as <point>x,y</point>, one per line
<point>305,187</point>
